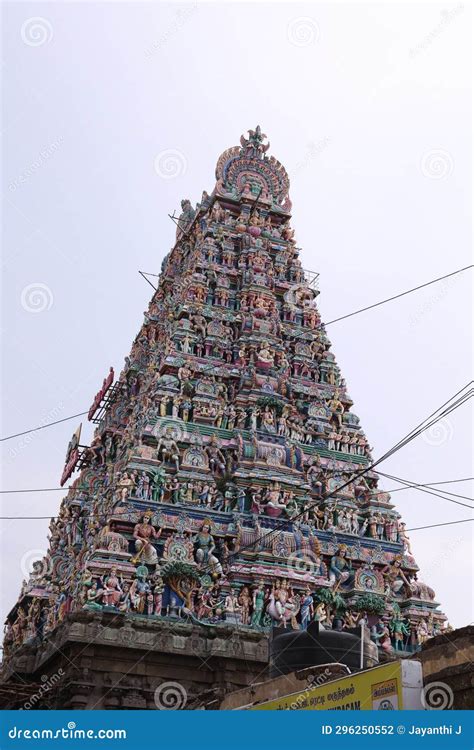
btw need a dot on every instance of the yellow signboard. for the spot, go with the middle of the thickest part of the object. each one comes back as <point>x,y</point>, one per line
<point>380,688</point>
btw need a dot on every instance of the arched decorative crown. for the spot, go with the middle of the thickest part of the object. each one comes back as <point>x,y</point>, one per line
<point>247,170</point>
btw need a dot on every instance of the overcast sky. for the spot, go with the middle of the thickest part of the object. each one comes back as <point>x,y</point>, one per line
<point>113,112</point>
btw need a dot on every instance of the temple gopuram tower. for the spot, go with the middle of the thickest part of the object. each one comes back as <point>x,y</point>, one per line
<point>227,490</point>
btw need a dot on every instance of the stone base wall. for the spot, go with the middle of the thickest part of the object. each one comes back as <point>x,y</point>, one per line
<point>106,661</point>
<point>449,659</point>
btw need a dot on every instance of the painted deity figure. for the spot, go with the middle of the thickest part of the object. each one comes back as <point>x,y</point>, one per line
<point>354,523</point>
<point>291,506</point>
<point>281,606</point>
<point>273,496</point>
<point>373,525</point>
<point>351,620</point>
<point>146,485</point>
<point>241,500</point>
<point>268,420</point>
<point>403,537</point>
<point>381,636</point>
<point>307,609</point>
<point>200,324</point>
<point>340,569</point>
<point>33,615</point>
<point>282,423</point>
<point>391,529</point>
<point>186,217</point>
<point>258,601</point>
<point>164,406</point>
<point>380,525</point>
<point>232,608</point>
<point>254,413</point>
<point>112,588</point>
<point>94,595</point>
<point>399,629</point>
<point>172,487</point>
<point>245,602</point>
<point>422,632</point>
<point>140,485</point>
<point>125,486</point>
<point>337,408</point>
<point>204,606</point>
<point>158,485</point>
<point>257,506</point>
<point>158,589</point>
<point>86,578</point>
<point>168,449</point>
<point>184,377</point>
<point>124,601</point>
<point>203,493</point>
<point>321,615</point>
<point>314,473</point>
<point>205,548</point>
<point>140,589</point>
<point>216,457</point>
<point>144,533</point>
<point>395,579</point>
<point>266,356</point>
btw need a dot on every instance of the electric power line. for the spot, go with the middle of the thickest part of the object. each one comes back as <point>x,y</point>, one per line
<point>43,426</point>
<point>446,481</point>
<point>422,489</point>
<point>40,489</point>
<point>429,485</point>
<point>426,485</point>
<point>397,296</point>
<point>446,523</point>
<point>421,427</point>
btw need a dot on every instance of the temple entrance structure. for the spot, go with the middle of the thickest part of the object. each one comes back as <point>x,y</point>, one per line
<point>228,488</point>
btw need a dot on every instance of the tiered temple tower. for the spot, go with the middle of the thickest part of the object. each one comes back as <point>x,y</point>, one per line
<point>223,491</point>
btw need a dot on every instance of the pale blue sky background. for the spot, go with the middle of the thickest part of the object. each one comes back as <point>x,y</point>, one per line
<point>367,106</point>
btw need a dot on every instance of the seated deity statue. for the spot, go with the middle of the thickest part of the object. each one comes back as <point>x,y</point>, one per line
<point>143,533</point>
<point>340,569</point>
